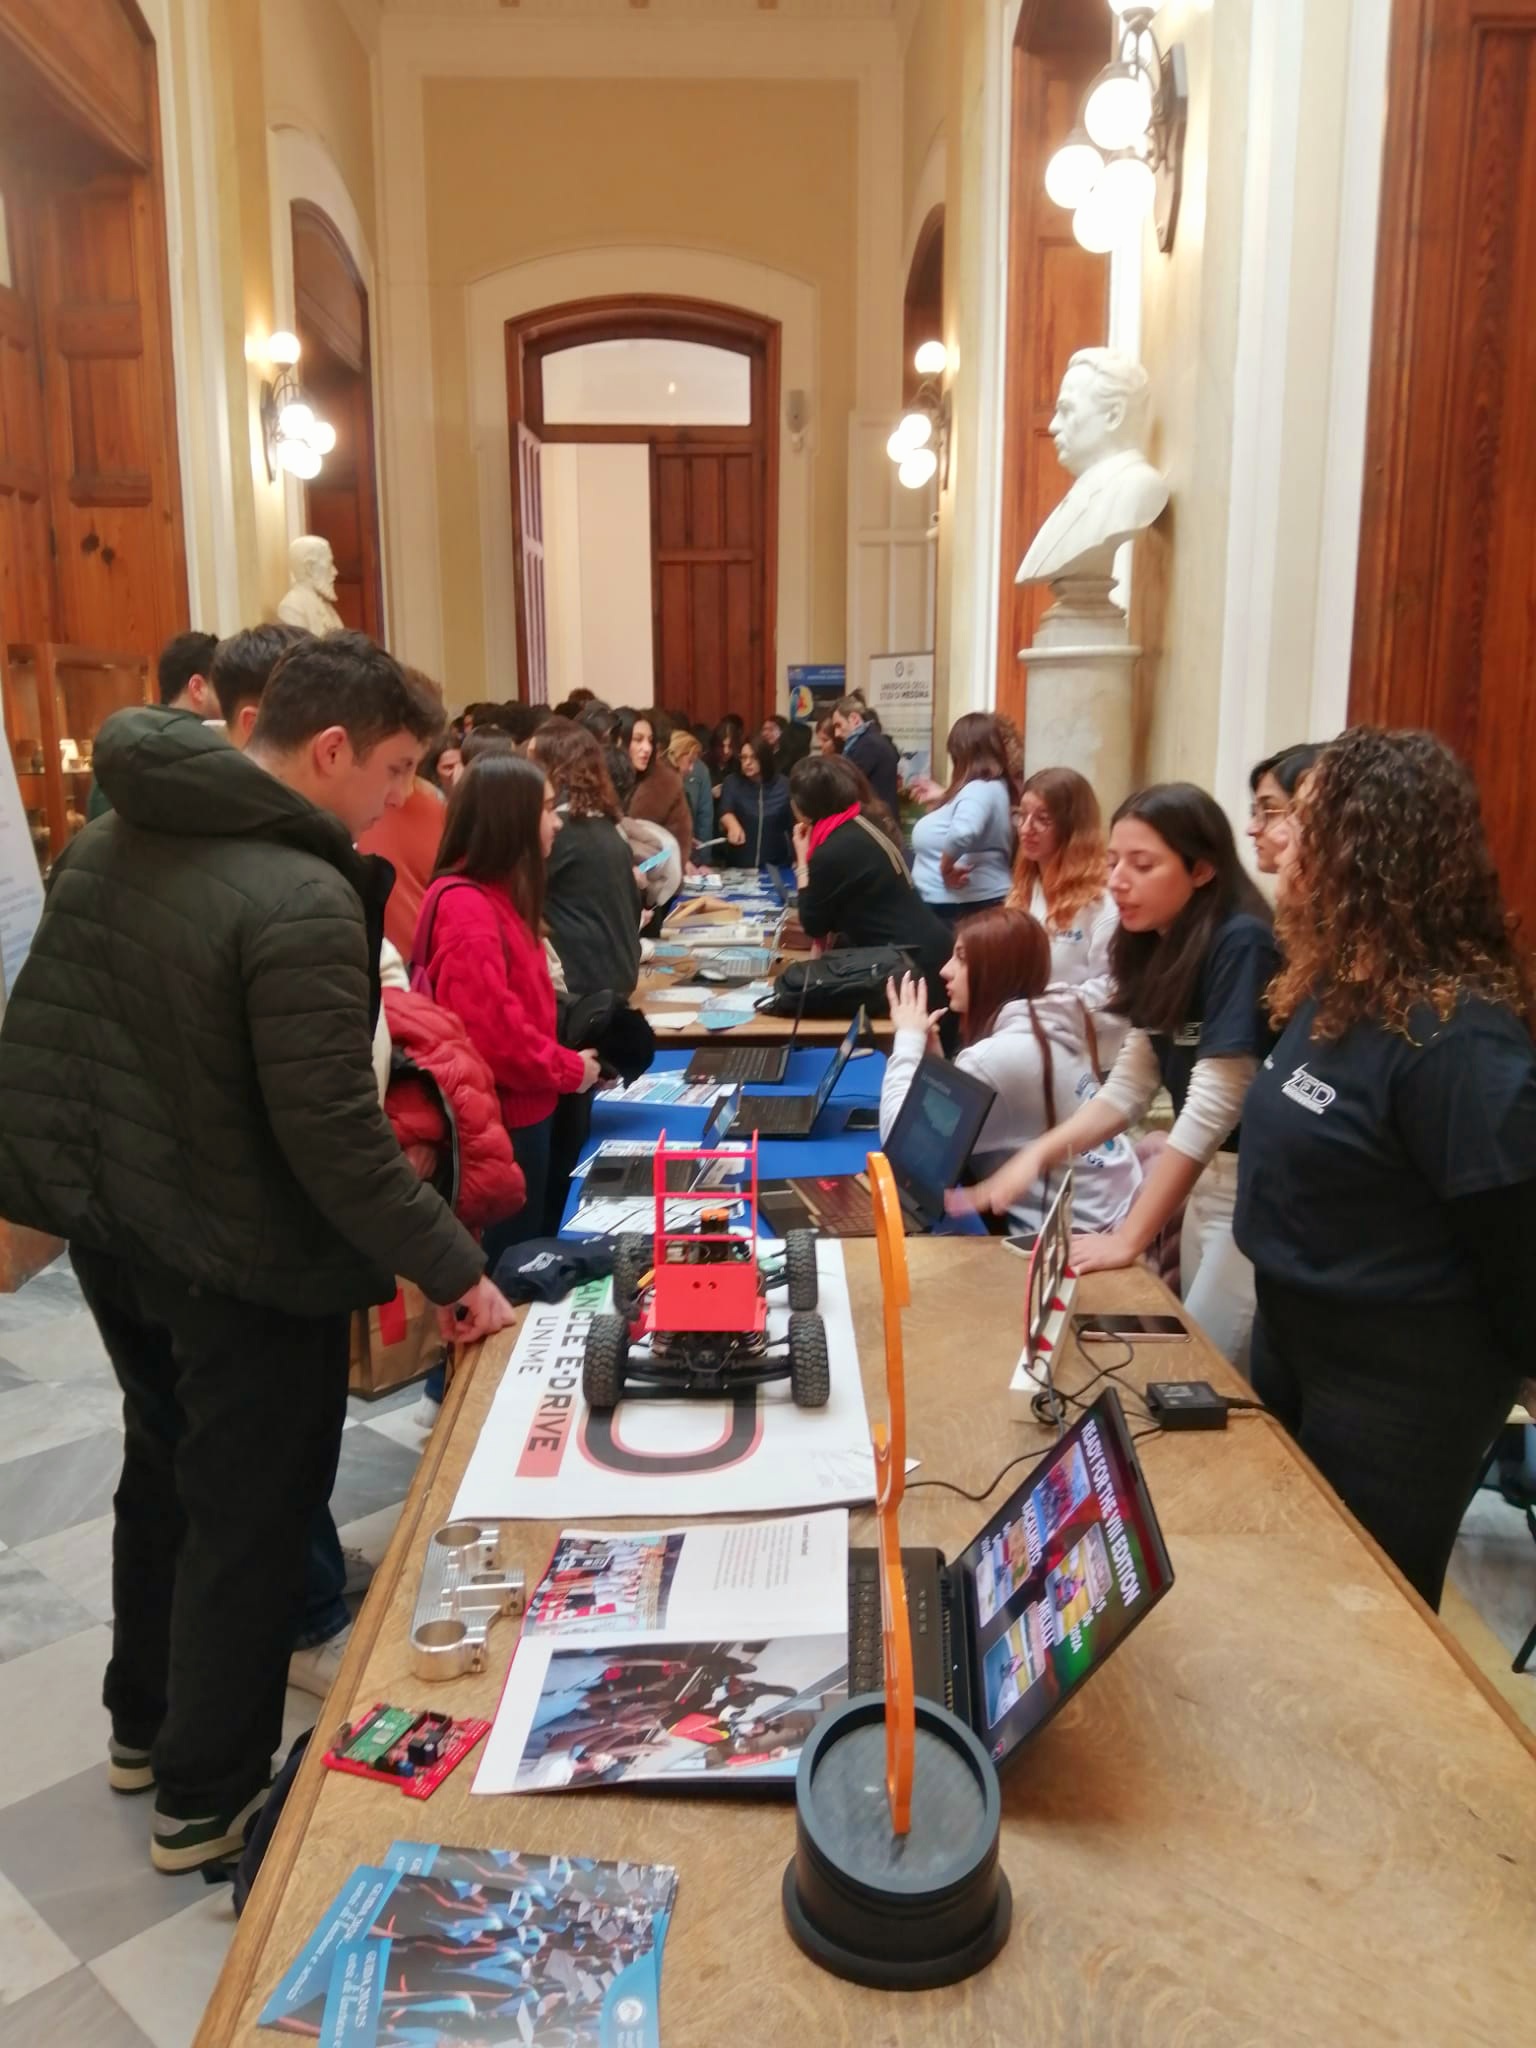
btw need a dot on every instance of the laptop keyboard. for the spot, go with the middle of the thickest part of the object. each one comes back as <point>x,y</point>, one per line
<point>740,1063</point>
<point>769,1113</point>
<point>866,1628</point>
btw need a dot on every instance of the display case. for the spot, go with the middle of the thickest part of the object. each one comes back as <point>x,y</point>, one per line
<point>57,699</point>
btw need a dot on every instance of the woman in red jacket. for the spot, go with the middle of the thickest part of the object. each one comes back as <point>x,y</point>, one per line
<point>479,954</point>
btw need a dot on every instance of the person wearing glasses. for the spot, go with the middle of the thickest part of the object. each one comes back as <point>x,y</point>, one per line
<point>1274,783</point>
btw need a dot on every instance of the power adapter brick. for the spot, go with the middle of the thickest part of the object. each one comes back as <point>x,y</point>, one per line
<point>1186,1404</point>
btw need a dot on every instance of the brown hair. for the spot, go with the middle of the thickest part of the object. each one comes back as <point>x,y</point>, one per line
<point>978,752</point>
<point>1156,975</point>
<point>492,831</point>
<point>1078,872</point>
<point>1007,960</point>
<point>823,784</point>
<point>1394,899</point>
<point>481,740</point>
<point>572,759</point>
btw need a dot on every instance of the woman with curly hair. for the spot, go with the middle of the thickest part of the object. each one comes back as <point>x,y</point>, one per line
<point>591,901</point>
<point>1388,1188</point>
<point>1061,877</point>
<point>1192,956</point>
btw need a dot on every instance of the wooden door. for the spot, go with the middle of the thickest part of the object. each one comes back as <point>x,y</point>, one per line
<point>707,582</point>
<point>26,573</point>
<point>1058,302</point>
<point>1445,625</point>
<point>528,547</point>
<point>121,576</point>
<point>342,503</point>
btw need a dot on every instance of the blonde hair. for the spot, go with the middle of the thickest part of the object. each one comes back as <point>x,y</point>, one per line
<point>1077,874</point>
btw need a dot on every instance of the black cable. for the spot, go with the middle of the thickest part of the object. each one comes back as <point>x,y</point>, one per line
<point>949,1486</point>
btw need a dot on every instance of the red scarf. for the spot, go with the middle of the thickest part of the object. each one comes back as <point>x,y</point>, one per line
<point>828,826</point>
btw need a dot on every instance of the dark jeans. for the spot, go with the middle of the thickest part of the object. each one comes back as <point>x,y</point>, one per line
<point>1395,1403</point>
<point>326,1612</point>
<point>232,1429</point>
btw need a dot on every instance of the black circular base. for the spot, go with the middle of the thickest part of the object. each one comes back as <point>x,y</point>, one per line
<point>901,1913</point>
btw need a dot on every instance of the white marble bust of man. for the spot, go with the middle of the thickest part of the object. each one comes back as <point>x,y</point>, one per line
<point>1117,492</point>
<point>310,601</point>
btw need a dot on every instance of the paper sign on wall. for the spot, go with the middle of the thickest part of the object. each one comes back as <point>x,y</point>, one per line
<point>901,696</point>
<point>21,886</point>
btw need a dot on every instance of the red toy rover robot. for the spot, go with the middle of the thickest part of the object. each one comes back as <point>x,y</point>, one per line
<point>691,1305</point>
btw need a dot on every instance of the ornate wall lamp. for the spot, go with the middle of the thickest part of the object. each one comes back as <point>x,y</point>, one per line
<point>920,445</point>
<point>1125,159</point>
<point>294,436</point>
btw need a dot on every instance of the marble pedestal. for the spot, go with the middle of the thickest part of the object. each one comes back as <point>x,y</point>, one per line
<point>1080,668</point>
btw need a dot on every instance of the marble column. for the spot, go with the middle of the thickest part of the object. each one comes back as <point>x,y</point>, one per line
<point>1080,670</point>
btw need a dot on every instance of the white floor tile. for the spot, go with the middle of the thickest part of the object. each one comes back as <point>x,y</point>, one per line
<point>401,1425</point>
<point>40,1418</point>
<point>31,1954</point>
<point>55,1694</point>
<point>164,1978</point>
<point>65,1348</point>
<point>79,1562</point>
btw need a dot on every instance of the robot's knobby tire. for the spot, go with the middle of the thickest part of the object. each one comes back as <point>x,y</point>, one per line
<point>607,1355</point>
<point>632,1256</point>
<point>800,1269</point>
<point>810,1373</point>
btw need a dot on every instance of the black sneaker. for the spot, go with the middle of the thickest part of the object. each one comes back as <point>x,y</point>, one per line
<point>177,1844</point>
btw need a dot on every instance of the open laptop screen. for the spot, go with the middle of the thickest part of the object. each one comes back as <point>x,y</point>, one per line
<point>838,1061</point>
<point>1061,1574</point>
<point>935,1129</point>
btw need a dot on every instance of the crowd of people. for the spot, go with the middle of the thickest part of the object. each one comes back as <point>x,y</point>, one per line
<point>297,1022</point>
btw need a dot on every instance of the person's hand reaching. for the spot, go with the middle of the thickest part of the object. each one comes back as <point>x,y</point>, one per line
<point>478,1314</point>
<point>995,1195</point>
<point>909,1009</point>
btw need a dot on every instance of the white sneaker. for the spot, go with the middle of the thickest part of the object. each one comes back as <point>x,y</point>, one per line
<point>314,1671</point>
<point>360,1569</point>
<point>425,1415</point>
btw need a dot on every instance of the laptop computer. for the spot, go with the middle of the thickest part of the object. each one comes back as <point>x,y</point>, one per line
<point>1055,1582</point>
<point>932,1138</point>
<point>621,1178</point>
<point>768,1063</point>
<point>794,1116</point>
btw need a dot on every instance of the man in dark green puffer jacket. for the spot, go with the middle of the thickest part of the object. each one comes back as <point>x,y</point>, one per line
<point>187,1095</point>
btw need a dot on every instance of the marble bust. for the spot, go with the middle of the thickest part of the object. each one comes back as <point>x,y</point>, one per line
<point>1117,493</point>
<point>310,601</point>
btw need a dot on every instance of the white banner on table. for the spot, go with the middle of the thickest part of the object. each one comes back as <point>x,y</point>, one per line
<point>543,1456</point>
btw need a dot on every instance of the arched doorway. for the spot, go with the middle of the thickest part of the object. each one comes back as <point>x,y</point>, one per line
<point>331,321</point>
<point>923,311</point>
<point>691,390</point>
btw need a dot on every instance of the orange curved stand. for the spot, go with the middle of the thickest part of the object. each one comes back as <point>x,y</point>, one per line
<point>890,1446</point>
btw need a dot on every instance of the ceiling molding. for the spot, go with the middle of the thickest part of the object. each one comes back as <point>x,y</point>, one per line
<point>578,11</point>
<point>363,15</point>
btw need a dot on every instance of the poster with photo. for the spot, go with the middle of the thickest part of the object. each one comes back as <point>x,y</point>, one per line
<point>542,1455</point>
<point>1009,1558</point>
<point>676,1711</point>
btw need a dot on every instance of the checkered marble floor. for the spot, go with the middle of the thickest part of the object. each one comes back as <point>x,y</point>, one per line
<point>97,1949</point>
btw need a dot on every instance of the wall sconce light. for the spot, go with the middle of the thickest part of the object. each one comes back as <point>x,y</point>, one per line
<point>1124,161</point>
<point>920,445</point>
<point>296,439</point>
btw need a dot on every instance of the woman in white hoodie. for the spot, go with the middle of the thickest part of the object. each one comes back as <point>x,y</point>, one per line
<point>1030,1040</point>
<point>1061,877</point>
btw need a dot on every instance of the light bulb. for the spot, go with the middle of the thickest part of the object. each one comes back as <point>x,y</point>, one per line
<point>1127,190</point>
<point>918,468</point>
<point>296,420</point>
<point>1097,227</point>
<point>931,360</point>
<point>1073,171</point>
<point>916,429</point>
<point>322,437</point>
<point>298,458</point>
<point>897,448</point>
<point>1118,110</point>
<point>283,348</point>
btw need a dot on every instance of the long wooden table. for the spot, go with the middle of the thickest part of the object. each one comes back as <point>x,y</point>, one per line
<point>1286,1811</point>
<point>757,1029</point>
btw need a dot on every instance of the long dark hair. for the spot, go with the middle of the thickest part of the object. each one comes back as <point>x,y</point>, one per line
<point>491,833</point>
<point>1007,960</point>
<point>978,752</point>
<point>767,757</point>
<point>725,744</point>
<point>1156,976</point>
<point>629,718</point>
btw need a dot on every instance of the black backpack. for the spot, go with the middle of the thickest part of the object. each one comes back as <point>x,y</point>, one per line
<point>839,983</point>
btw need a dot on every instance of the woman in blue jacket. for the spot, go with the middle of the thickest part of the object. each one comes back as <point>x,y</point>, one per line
<point>753,810</point>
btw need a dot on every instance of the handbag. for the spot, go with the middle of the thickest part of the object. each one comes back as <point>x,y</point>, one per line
<point>839,983</point>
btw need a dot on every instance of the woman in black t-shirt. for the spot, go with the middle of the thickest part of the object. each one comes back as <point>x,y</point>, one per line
<point>1191,960</point>
<point>1388,1185</point>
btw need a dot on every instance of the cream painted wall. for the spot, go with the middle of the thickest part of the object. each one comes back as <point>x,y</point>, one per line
<point>923,87</point>
<point>1189,339</point>
<point>765,170</point>
<point>317,77</point>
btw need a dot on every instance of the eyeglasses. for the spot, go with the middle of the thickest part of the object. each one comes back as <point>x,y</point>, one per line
<point>1266,811</point>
